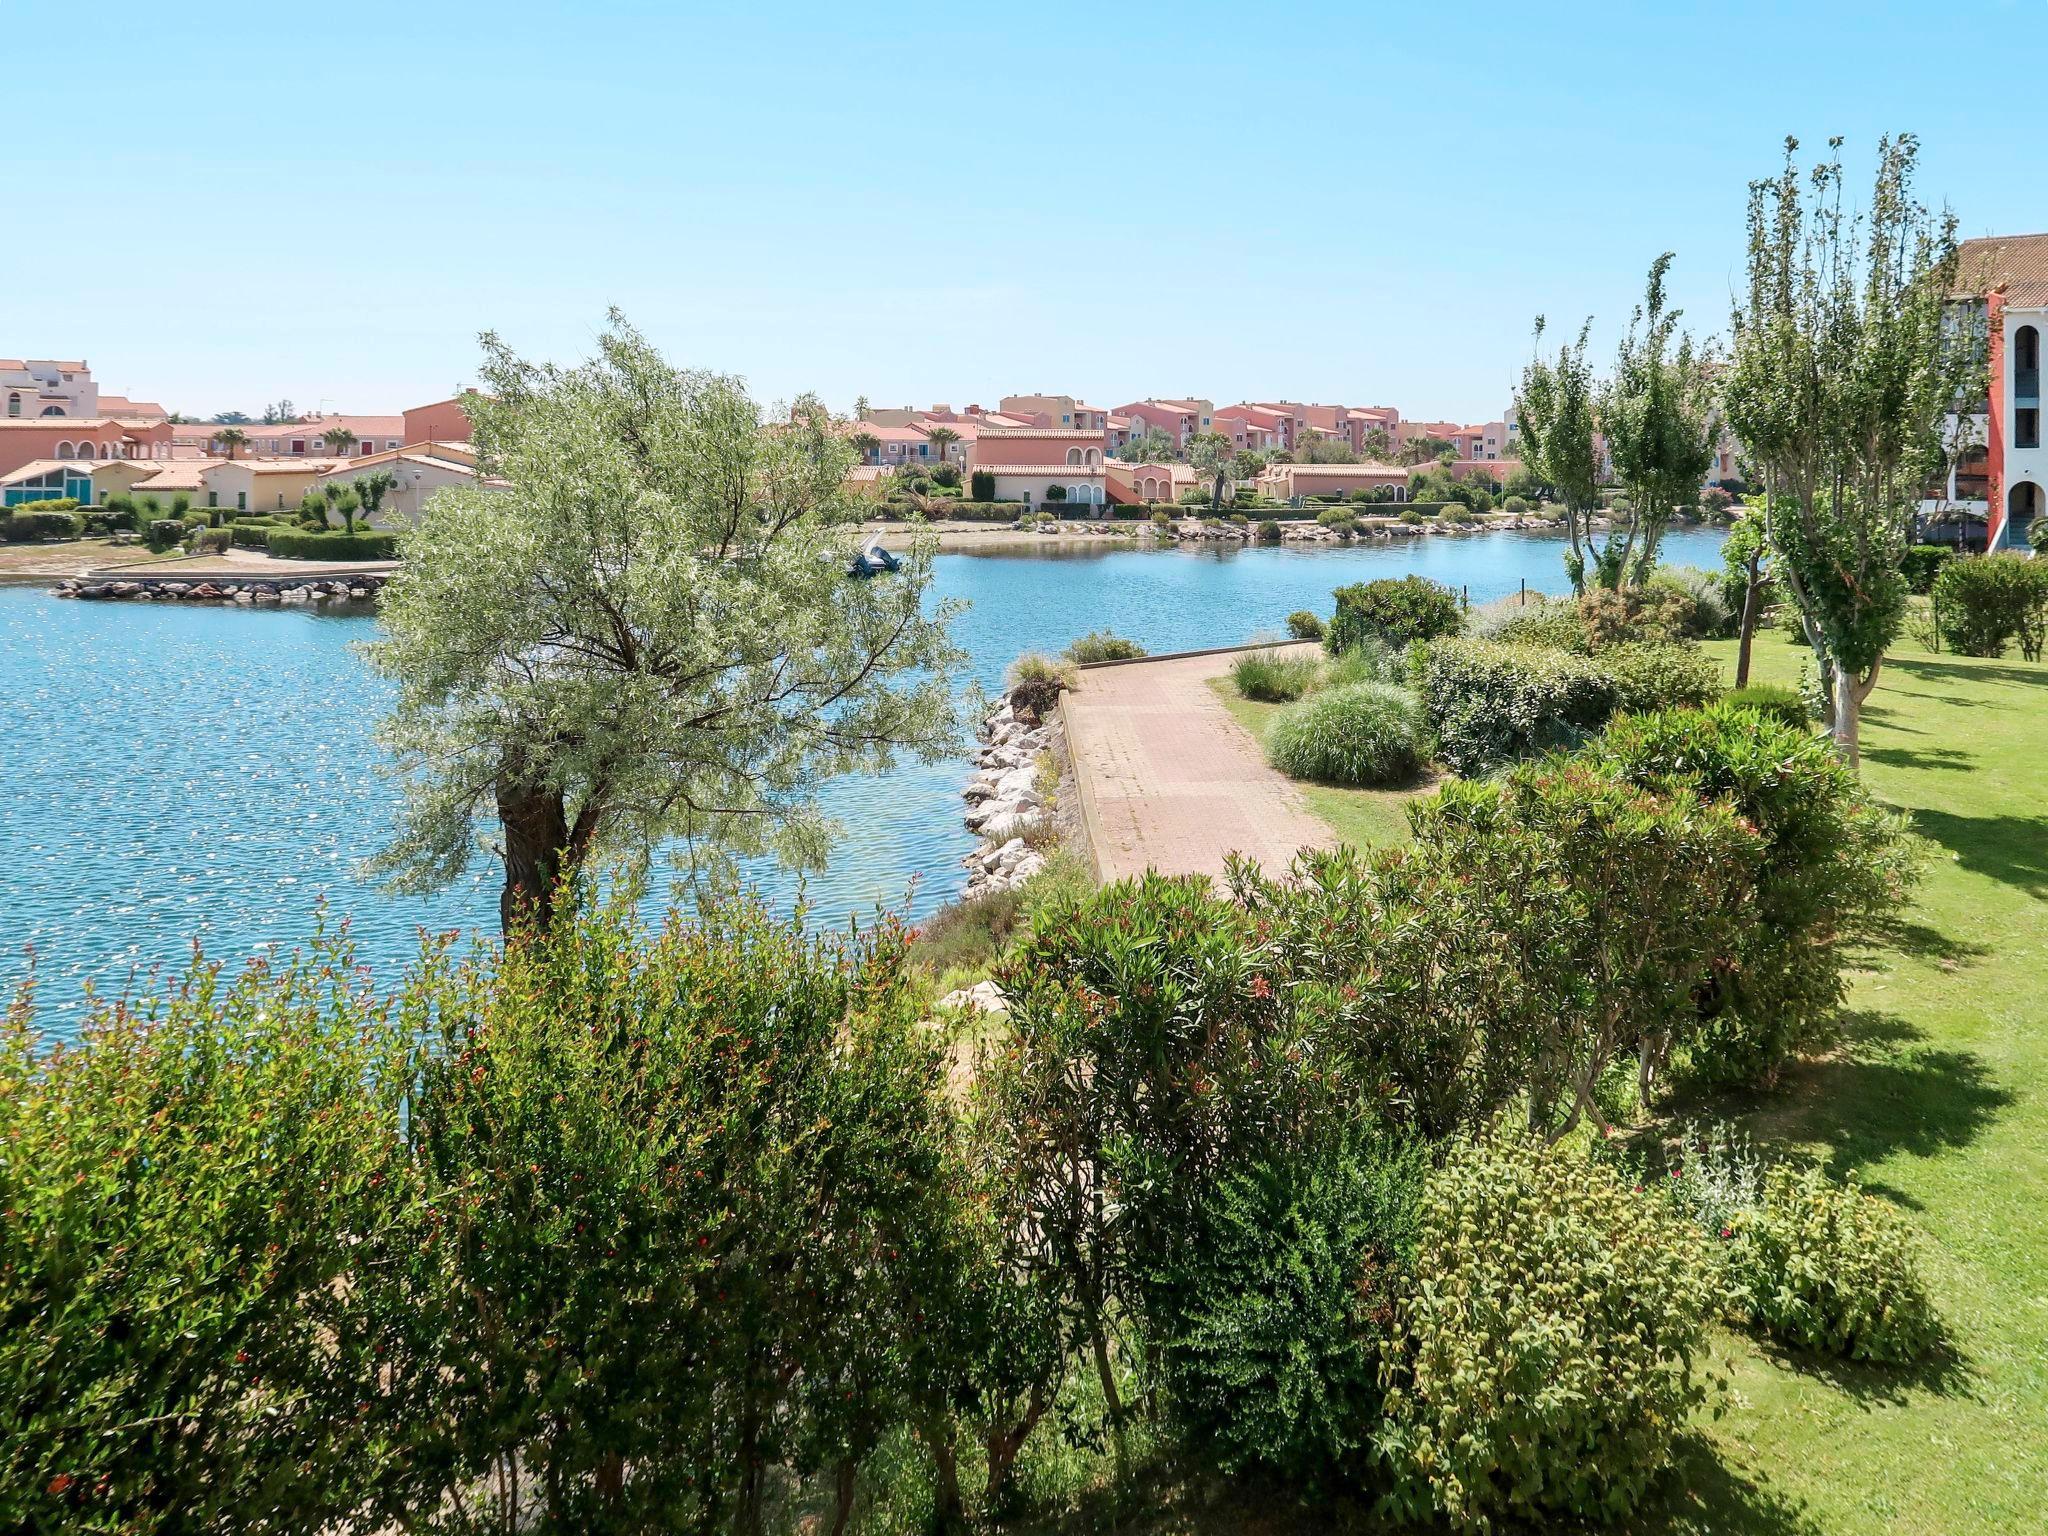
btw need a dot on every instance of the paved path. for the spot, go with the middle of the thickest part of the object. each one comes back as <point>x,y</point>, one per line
<point>1169,781</point>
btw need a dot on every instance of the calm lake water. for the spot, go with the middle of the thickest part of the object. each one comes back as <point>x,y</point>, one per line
<point>178,773</point>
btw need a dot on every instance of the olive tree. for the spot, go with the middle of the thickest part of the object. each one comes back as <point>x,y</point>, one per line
<point>1656,413</point>
<point>648,637</point>
<point>1845,366</point>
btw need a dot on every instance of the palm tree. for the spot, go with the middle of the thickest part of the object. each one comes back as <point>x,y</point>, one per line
<point>338,441</point>
<point>231,438</point>
<point>942,439</point>
<point>865,443</point>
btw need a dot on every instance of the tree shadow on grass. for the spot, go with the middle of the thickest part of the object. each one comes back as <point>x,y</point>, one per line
<point>1977,672</point>
<point>1705,1496</point>
<point>2012,850</point>
<point>1952,759</point>
<point>1944,1372</point>
<point>1928,943</point>
<point>1884,1091</point>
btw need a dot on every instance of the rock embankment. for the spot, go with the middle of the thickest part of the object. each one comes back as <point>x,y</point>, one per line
<point>1005,807</point>
<point>283,592</point>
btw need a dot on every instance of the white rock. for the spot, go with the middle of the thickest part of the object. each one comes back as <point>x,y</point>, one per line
<point>1011,828</point>
<point>982,997</point>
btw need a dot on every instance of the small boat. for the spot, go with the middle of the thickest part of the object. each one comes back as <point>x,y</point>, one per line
<point>873,560</point>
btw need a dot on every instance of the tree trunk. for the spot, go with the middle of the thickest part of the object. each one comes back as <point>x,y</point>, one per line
<point>536,827</point>
<point>1750,592</point>
<point>948,1514</point>
<point>844,1482</point>
<point>1847,726</point>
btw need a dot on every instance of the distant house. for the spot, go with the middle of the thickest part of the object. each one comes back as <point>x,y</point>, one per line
<point>300,439</point>
<point>2003,474</point>
<point>1135,484</point>
<point>1284,482</point>
<point>87,481</point>
<point>1180,420</point>
<point>417,471</point>
<point>26,439</point>
<point>1027,462</point>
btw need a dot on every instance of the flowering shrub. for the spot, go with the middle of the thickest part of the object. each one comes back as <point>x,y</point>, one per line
<point>1552,1346</point>
<point>1829,1268</point>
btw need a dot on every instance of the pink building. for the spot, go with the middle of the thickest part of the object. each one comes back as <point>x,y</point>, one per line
<point>1180,420</point>
<point>1255,428</point>
<point>25,439</point>
<point>1027,462</point>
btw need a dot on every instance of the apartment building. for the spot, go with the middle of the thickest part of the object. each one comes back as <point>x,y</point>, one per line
<point>2002,473</point>
<point>1180,420</point>
<point>1027,462</point>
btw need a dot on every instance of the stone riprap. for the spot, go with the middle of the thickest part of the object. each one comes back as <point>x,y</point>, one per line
<point>1004,807</point>
<point>276,592</point>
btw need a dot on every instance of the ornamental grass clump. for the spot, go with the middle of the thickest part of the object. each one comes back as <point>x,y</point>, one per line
<point>1366,733</point>
<point>1552,1345</point>
<point>1273,677</point>
<point>1104,645</point>
<point>1828,1268</point>
<point>1035,682</point>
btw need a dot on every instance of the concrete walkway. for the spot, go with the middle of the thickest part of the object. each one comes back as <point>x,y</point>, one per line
<point>1169,781</point>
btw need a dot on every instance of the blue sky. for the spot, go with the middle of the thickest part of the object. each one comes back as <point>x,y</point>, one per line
<point>920,203</point>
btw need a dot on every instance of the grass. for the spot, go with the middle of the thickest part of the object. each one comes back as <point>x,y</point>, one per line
<point>72,557</point>
<point>1937,1098</point>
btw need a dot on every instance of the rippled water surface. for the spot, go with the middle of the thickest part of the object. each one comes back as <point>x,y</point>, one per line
<point>175,773</point>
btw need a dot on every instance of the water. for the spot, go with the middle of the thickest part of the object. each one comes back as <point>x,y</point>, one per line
<point>176,773</point>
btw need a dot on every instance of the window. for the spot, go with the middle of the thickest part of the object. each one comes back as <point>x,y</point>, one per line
<point>390,445</point>
<point>2026,428</point>
<point>298,445</point>
<point>14,404</point>
<point>213,498</point>
<point>241,501</point>
<point>280,501</point>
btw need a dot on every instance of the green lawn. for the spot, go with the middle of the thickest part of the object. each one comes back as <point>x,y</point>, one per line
<point>1368,817</point>
<point>1938,1098</point>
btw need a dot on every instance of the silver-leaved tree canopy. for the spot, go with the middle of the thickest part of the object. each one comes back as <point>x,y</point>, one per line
<point>642,633</point>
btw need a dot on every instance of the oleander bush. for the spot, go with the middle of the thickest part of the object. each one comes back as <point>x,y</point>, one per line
<point>1362,733</point>
<point>161,533</point>
<point>1397,611</point>
<point>1273,678</point>
<point>1303,625</point>
<point>1104,645</point>
<point>1648,615</point>
<point>1553,1345</point>
<point>1710,615</point>
<point>1828,1268</point>
<point>1783,705</point>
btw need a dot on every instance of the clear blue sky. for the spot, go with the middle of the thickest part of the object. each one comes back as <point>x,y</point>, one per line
<point>930,202</point>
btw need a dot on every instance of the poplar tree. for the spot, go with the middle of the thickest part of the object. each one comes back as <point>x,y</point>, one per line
<point>1846,364</point>
<point>1555,412</point>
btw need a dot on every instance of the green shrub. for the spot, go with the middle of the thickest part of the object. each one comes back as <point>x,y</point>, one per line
<point>1648,615</point>
<point>1273,678</point>
<point>1660,676</point>
<point>1489,703</point>
<point>1283,1305</point>
<point>250,535</point>
<point>1831,1269</point>
<point>1552,1347</point>
<point>1834,868</point>
<point>1547,625</point>
<point>1922,563</point>
<point>23,525</point>
<point>163,532</point>
<point>1772,702</point>
<point>1711,615</point>
<point>209,541</point>
<point>1397,611</point>
<point>1362,734</point>
<point>1268,531</point>
<point>1162,519</point>
<point>1411,516</point>
<point>1515,506</point>
<point>1034,683</point>
<point>294,544</point>
<point>1104,645</point>
<point>1303,625</point>
<point>1983,604</point>
<point>1369,661</point>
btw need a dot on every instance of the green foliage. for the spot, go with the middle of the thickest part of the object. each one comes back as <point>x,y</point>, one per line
<point>1396,610</point>
<point>1303,625</point>
<point>1035,682</point>
<point>1831,1269</point>
<point>1488,703</point>
<point>1647,677</point>
<point>1552,1347</point>
<point>209,541</point>
<point>1271,677</point>
<point>1056,493</point>
<point>1658,613</point>
<point>1287,1295</point>
<point>981,485</point>
<point>684,659</point>
<point>33,521</point>
<point>161,533</point>
<point>246,535</point>
<point>335,544</point>
<point>1985,603</point>
<point>1833,868</point>
<point>1555,408</point>
<point>1104,645</point>
<point>1711,616</point>
<point>1268,531</point>
<point>1516,506</point>
<point>1783,705</point>
<point>1370,661</point>
<point>1922,563</point>
<point>1364,733</point>
<point>187,1188</point>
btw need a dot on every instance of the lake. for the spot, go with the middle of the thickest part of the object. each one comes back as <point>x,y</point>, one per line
<point>178,773</point>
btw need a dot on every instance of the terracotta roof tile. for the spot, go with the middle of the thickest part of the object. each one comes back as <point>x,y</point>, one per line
<point>2018,262</point>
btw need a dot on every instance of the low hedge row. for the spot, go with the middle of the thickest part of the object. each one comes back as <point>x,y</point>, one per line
<point>21,526</point>
<point>294,544</point>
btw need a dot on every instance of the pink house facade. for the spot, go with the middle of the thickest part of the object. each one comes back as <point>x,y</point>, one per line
<point>1027,462</point>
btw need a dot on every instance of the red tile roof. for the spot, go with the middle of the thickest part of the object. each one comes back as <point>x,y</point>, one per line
<point>2018,263</point>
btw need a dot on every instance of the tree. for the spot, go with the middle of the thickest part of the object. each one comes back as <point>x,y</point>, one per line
<point>231,439</point>
<point>1213,458</point>
<point>1315,449</point>
<point>648,637</point>
<point>864,443</point>
<point>1745,554</point>
<point>343,503</point>
<point>371,489</point>
<point>1843,373</point>
<point>1150,446</point>
<point>860,408</point>
<point>279,412</point>
<point>1656,413</point>
<point>942,438</point>
<point>1379,445</point>
<point>1423,449</point>
<point>232,418</point>
<point>1555,410</point>
<point>338,440</point>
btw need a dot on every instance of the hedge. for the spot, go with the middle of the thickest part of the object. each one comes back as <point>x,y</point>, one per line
<point>22,527</point>
<point>291,544</point>
<point>251,535</point>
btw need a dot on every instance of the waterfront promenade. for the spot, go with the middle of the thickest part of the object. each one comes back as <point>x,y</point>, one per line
<point>1169,781</point>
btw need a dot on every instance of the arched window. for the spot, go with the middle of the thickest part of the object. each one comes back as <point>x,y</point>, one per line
<point>2026,348</point>
<point>1073,455</point>
<point>64,450</point>
<point>53,410</point>
<point>106,450</point>
<point>14,403</point>
<point>1093,456</point>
